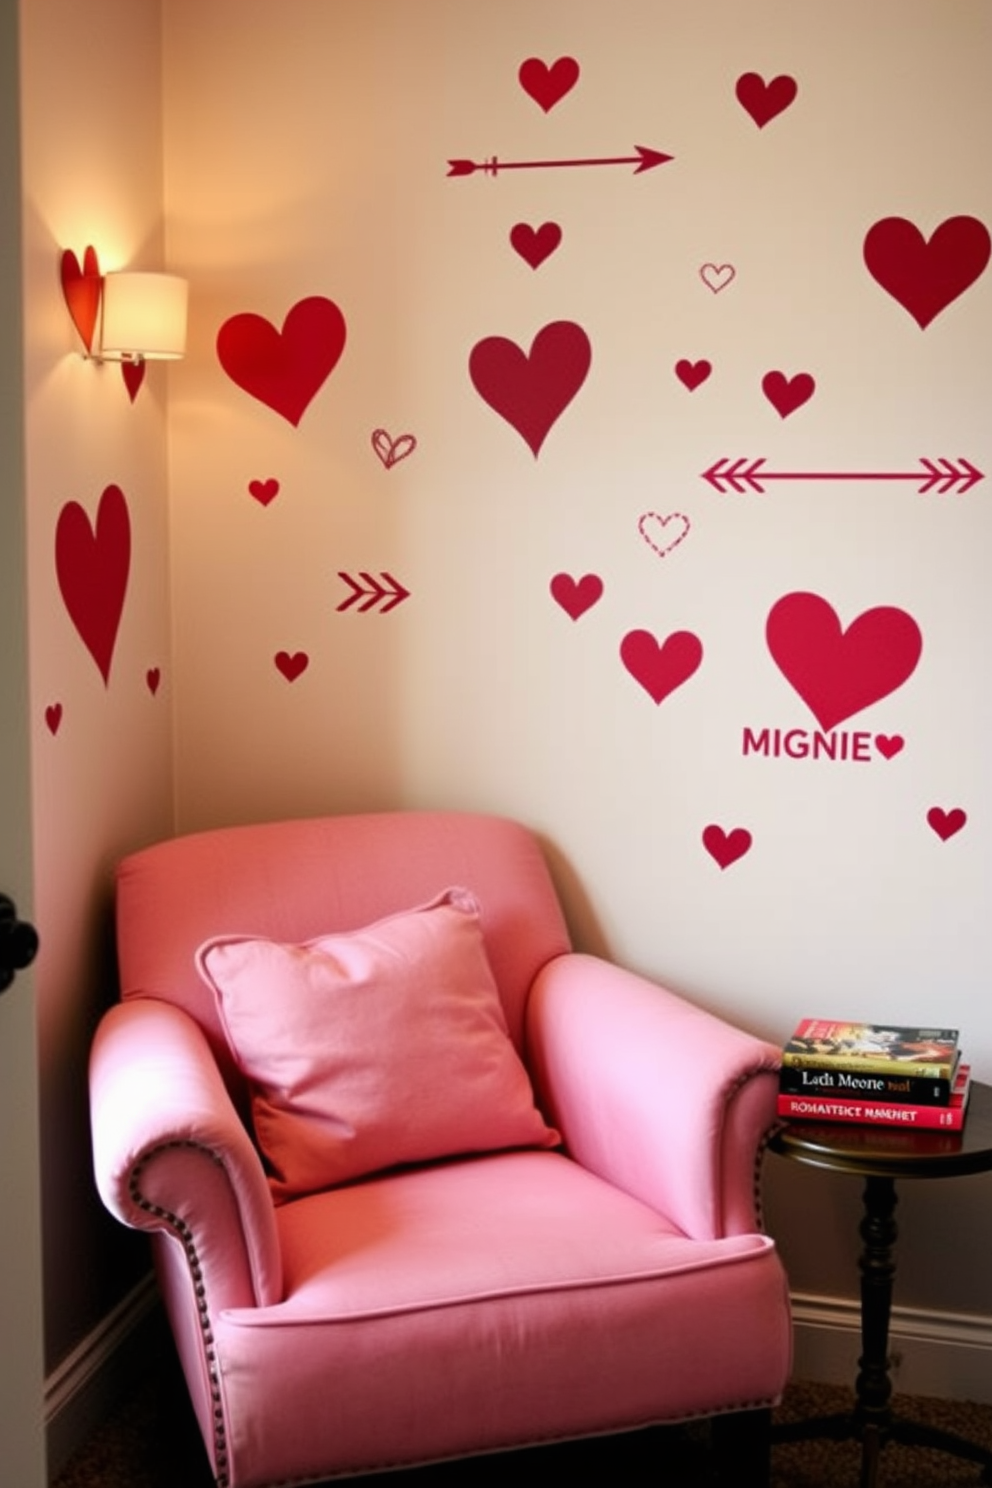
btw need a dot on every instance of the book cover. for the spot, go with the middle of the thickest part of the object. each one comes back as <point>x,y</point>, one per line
<point>882,1113</point>
<point>886,1049</point>
<point>863,1084</point>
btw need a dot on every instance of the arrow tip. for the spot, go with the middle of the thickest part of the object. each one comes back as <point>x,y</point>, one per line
<point>650,158</point>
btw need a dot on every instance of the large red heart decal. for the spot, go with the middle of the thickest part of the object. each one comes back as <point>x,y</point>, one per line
<point>531,391</point>
<point>925,275</point>
<point>661,669</point>
<point>284,369</point>
<point>838,672</point>
<point>548,85</point>
<point>92,565</point>
<point>82,289</point>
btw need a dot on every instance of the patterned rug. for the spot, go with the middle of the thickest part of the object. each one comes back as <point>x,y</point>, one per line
<point>152,1442</point>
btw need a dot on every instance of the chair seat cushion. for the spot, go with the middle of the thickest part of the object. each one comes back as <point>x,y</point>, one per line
<point>491,1301</point>
<point>372,1048</point>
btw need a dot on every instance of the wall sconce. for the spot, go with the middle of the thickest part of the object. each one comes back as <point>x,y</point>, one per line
<point>144,318</point>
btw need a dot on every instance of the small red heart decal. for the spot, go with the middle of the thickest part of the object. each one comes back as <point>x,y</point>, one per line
<point>717,276</point>
<point>264,491</point>
<point>576,595</point>
<point>392,451</point>
<point>661,669</point>
<point>838,672</point>
<point>82,289</point>
<point>535,244</point>
<point>925,275</point>
<point>153,677</point>
<point>726,847</point>
<point>786,394</point>
<point>92,565</point>
<point>763,101</point>
<point>548,85</point>
<point>53,717</point>
<point>692,374</point>
<point>531,391</point>
<point>291,665</point>
<point>284,369</point>
<point>946,823</point>
<point>889,745</point>
<point>133,374</point>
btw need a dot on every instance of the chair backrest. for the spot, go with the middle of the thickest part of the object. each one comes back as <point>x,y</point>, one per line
<point>294,880</point>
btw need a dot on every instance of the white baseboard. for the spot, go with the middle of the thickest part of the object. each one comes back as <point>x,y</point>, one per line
<point>947,1355</point>
<point>83,1389</point>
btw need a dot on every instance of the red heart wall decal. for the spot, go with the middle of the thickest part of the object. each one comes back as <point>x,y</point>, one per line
<point>576,595</point>
<point>535,244</point>
<point>763,101</point>
<point>531,391</point>
<point>946,823</point>
<point>92,565</point>
<point>153,678</point>
<point>548,85</point>
<point>53,717</point>
<point>284,369</point>
<point>291,664</point>
<point>264,491</point>
<point>786,394</point>
<point>838,672</point>
<point>661,669</point>
<point>726,847</point>
<point>692,374</point>
<point>925,275</point>
<point>133,374</point>
<point>82,289</point>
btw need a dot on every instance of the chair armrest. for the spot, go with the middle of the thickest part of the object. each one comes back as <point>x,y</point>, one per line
<point>659,1097</point>
<point>170,1152</point>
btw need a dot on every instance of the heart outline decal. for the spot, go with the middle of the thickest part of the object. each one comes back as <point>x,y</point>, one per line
<point>668,541</point>
<point>391,451</point>
<point>717,276</point>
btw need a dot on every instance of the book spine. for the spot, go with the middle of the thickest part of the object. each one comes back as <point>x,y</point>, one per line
<point>872,1113</point>
<point>824,1081</point>
<point>865,1064</point>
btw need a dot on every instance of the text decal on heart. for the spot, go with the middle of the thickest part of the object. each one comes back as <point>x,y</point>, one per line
<point>284,369</point>
<point>548,85</point>
<point>531,391</point>
<point>838,672</point>
<point>92,565</point>
<point>576,595</point>
<point>82,289</point>
<point>925,275</point>
<point>764,101</point>
<point>661,669</point>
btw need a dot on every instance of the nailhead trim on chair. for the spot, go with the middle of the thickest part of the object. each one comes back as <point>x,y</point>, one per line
<point>182,1230</point>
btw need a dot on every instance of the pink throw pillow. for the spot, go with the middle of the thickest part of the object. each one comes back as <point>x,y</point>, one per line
<point>374,1047</point>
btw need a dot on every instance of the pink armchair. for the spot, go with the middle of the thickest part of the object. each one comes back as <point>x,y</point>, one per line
<point>438,1309</point>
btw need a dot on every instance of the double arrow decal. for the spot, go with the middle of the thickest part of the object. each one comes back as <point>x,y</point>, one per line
<point>940,475</point>
<point>371,590</point>
<point>644,159</point>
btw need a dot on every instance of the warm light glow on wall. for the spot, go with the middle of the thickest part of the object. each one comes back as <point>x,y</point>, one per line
<point>144,317</point>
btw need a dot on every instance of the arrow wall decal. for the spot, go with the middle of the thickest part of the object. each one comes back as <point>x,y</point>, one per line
<point>645,159</point>
<point>940,475</point>
<point>372,590</point>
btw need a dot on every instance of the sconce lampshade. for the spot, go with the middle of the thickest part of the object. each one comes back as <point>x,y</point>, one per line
<point>144,316</point>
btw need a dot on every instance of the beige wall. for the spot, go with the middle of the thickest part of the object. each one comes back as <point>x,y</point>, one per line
<point>309,158</point>
<point>102,784</point>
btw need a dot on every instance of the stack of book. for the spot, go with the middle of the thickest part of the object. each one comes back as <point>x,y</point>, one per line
<point>873,1075</point>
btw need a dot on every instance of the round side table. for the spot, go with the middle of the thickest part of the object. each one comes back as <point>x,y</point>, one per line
<point>881,1155</point>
